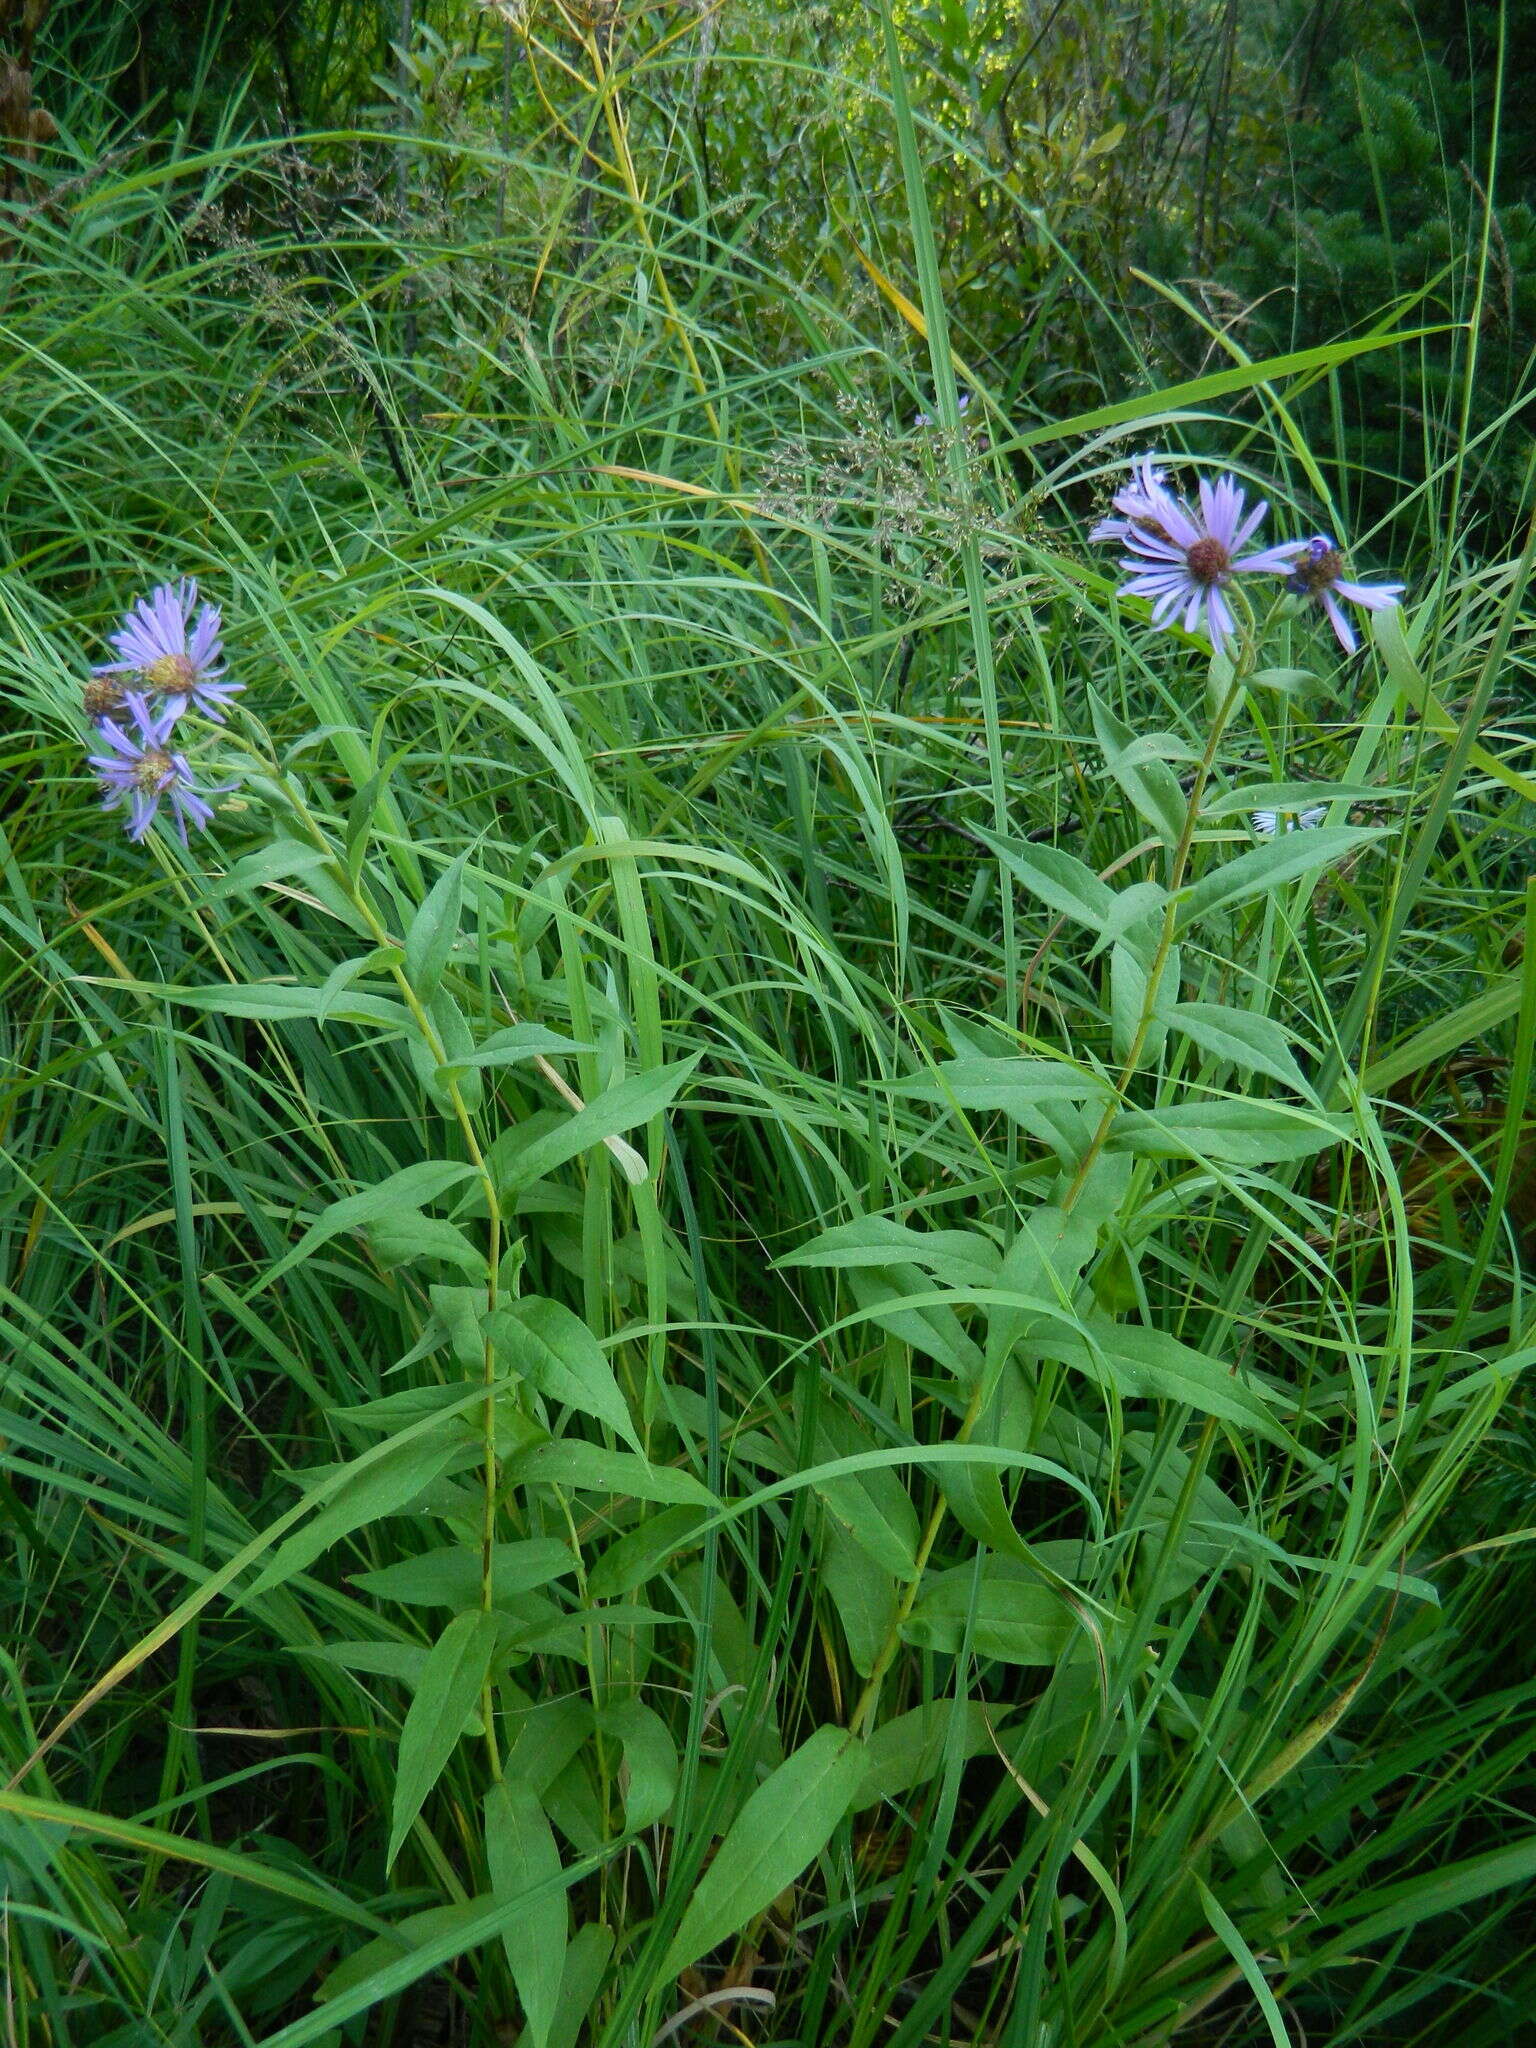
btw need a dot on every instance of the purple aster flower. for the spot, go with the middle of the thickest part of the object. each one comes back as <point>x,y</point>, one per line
<point>1138,503</point>
<point>926,419</point>
<point>182,666</point>
<point>141,769</point>
<point>1317,571</point>
<point>1189,561</point>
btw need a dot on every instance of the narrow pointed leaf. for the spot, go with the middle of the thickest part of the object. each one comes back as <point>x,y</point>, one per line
<point>783,1827</point>
<point>521,1852</point>
<point>447,1695</point>
<point>1269,867</point>
<point>434,929</point>
<point>1254,1044</point>
<point>549,1345</point>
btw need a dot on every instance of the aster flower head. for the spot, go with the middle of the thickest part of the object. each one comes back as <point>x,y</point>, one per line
<point>140,769</point>
<point>1138,503</point>
<point>1186,566</point>
<point>1267,823</point>
<point>104,697</point>
<point>928,419</point>
<point>165,650</point>
<point>1317,570</point>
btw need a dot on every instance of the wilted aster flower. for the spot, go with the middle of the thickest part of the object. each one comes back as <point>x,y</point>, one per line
<point>1268,823</point>
<point>1186,565</point>
<point>104,697</point>
<point>1138,502</point>
<point>1317,571</point>
<point>141,769</point>
<point>182,667</point>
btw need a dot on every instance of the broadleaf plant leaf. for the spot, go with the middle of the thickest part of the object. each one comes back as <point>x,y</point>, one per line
<point>1266,868</point>
<point>1059,880</point>
<point>1253,1043</point>
<point>433,930</point>
<point>1242,1133</point>
<point>783,1826</point>
<point>397,1195</point>
<point>385,1482</point>
<point>549,1345</point>
<point>447,1696</point>
<point>521,1854</point>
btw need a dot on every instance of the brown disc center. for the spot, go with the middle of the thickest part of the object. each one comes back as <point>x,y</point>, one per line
<point>173,673</point>
<point>1320,572</point>
<point>1208,561</point>
<point>154,769</point>
<point>103,695</point>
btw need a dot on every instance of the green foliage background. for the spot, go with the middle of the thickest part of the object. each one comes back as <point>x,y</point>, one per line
<point>735,1316</point>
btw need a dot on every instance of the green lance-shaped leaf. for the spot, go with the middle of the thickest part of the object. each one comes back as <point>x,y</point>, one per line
<point>403,1661</point>
<point>461,1313</point>
<point>550,1346</point>
<point>520,1853</point>
<point>434,929</point>
<point>517,1042</point>
<point>1044,1263</point>
<point>1269,867</point>
<point>1060,881</point>
<point>1057,1103</point>
<point>365,1963</point>
<point>388,1414</point>
<point>910,1750</point>
<point>447,1695</point>
<point>874,1506</point>
<point>409,1235</point>
<point>1294,796</point>
<point>1015,1086</point>
<point>276,1000</point>
<point>1146,1364</point>
<point>384,1484</point>
<point>1148,781</point>
<point>1130,988</point>
<point>958,1258</point>
<point>271,863</point>
<point>619,1473</point>
<point>783,1826</point>
<point>932,1328</point>
<point>1011,1614</point>
<point>627,1104</point>
<point>863,1595</point>
<point>1135,906</point>
<point>1254,1044</point>
<point>1241,1133</point>
<point>346,972</point>
<point>400,1195</point>
<point>586,1958</point>
<point>633,1559</point>
<point>452,1575</point>
<point>650,1760</point>
<point>439,1077</point>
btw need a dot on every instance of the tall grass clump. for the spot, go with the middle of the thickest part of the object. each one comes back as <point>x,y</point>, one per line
<point>782,1297</point>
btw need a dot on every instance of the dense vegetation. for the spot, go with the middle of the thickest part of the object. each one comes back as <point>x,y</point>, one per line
<point>784,1298</point>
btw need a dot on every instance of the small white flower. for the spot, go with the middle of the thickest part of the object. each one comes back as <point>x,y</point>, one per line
<point>1268,823</point>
